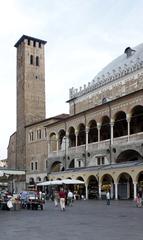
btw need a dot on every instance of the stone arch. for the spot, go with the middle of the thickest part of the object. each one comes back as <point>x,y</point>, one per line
<point>136,123</point>
<point>53,142</point>
<point>128,155</point>
<point>125,186</point>
<point>61,135</point>
<point>38,179</point>
<point>80,178</point>
<point>81,134</point>
<point>107,183</point>
<point>139,180</point>
<point>93,132</point>
<point>57,167</point>
<point>105,128</point>
<point>72,164</point>
<point>72,137</point>
<point>45,179</point>
<point>92,187</point>
<point>120,124</point>
<point>81,187</point>
<point>31,181</point>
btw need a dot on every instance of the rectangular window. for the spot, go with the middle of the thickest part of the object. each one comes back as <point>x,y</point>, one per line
<point>31,136</point>
<point>39,135</point>
<point>79,163</point>
<point>46,164</point>
<point>28,41</point>
<point>98,161</point>
<point>31,59</point>
<point>32,166</point>
<point>36,165</point>
<point>37,61</point>
<point>45,132</point>
<point>39,44</point>
<point>103,161</point>
<point>34,43</point>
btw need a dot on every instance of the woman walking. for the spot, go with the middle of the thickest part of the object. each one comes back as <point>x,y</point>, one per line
<point>62,197</point>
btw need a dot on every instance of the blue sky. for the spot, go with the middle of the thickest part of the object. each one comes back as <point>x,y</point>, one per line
<point>82,37</point>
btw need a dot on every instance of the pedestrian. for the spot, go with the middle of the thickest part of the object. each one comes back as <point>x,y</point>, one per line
<point>70,198</point>
<point>56,198</point>
<point>62,197</point>
<point>40,195</point>
<point>108,197</point>
<point>138,200</point>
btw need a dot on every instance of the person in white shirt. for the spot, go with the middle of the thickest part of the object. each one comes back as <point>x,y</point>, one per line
<point>108,197</point>
<point>70,198</point>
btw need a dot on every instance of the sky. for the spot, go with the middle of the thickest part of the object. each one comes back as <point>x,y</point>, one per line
<point>82,36</point>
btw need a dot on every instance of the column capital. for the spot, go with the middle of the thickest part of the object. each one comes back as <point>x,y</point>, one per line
<point>87,129</point>
<point>128,117</point>
<point>76,131</point>
<point>112,121</point>
<point>98,125</point>
<point>67,134</point>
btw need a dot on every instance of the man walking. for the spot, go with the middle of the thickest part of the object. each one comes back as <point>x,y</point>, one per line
<point>108,197</point>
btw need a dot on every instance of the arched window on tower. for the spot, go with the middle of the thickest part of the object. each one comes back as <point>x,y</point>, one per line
<point>28,41</point>
<point>37,61</point>
<point>31,59</point>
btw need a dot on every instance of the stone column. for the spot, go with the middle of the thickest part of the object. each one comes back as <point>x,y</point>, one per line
<point>76,135</point>
<point>111,129</point>
<point>99,189</point>
<point>86,144</point>
<point>57,140</point>
<point>67,142</point>
<point>135,189</point>
<point>86,190</point>
<point>128,189</point>
<point>128,121</point>
<point>98,128</point>
<point>48,140</point>
<point>116,191</point>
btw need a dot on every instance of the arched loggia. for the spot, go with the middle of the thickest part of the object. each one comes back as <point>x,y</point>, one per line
<point>128,155</point>
<point>125,186</point>
<point>92,187</point>
<point>120,125</point>
<point>136,123</point>
<point>93,132</point>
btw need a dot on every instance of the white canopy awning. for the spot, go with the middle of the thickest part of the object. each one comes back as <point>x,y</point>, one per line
<point>60,182</point>
<point>11,172</point>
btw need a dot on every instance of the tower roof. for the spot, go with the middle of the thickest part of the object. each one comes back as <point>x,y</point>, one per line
<point>30,38</point>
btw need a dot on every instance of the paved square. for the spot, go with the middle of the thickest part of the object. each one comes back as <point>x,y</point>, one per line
<point>85,220</point>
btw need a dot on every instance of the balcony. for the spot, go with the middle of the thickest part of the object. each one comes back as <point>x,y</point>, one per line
<point>98,145</point>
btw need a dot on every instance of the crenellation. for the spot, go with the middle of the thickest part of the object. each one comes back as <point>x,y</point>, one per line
<point>109,77</point>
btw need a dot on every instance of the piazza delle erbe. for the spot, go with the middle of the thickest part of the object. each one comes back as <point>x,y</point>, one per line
<point>71,173</point>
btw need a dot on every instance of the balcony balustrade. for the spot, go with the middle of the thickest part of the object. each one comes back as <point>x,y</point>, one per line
<point>98,145</point>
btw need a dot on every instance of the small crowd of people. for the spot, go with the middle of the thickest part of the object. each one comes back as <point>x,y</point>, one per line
<point>63,198</point>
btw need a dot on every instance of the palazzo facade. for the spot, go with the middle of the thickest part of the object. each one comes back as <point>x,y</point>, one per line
<point>100,141</point>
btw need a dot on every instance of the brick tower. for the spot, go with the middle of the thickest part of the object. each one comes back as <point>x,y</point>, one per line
<point>30,90</point>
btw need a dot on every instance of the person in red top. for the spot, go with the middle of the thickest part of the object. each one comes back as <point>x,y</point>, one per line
<point>62,197</point>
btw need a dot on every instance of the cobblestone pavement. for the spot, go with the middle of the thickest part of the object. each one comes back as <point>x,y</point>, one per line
<point>85,220</point>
